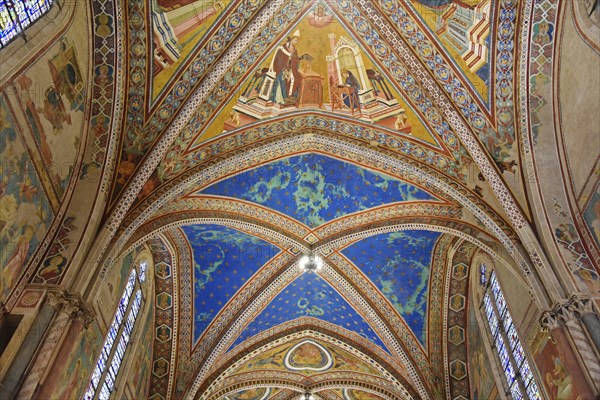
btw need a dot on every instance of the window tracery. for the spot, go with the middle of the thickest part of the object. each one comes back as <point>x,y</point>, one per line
<point>505,339</point>
<point>18,15</point>
<point>105,373</point>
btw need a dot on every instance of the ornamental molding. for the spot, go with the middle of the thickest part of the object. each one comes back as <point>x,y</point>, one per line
<point>303,384</point>
<point>315,329</point>
<point>305,143</point>
<point>566,311</point>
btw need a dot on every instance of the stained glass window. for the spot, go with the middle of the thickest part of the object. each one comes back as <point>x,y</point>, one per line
<point>17,15</point>
<point>482,274</point>
<point>512,357</point>
<point>104,376</point>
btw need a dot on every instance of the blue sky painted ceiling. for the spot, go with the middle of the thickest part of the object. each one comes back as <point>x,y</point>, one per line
<point>315,189</point>
<point>223,261</point>
<point>309,295</point>
<point>399,265</point>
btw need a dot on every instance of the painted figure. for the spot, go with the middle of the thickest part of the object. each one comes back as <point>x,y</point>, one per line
<point>559,381</point>
<point>352,101</point>
<point>285,66</point>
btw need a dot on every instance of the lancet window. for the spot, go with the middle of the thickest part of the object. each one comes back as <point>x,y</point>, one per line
<point>104,376</point>
<point>505,340</point>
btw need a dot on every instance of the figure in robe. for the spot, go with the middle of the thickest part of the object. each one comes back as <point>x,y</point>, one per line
<point>350,81</point>
<point>285,66</point>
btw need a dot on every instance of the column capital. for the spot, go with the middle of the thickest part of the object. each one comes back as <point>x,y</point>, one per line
<point>56,299</point>
<point>567,310</point>
<point>580,304</point>
<point>72,305</point>
<point>549,321</point>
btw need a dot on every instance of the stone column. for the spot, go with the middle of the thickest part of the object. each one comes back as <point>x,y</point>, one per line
<point>66,308</point>
<point>555,322</point>
<point>583,307</point>
<point>575,312</point>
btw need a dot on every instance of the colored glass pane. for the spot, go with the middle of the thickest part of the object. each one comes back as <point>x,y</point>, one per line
<point>511,353</point>
<point>17,15</point>
<point>119,332</point>
<point>482,274</point>
<point>142,273</point>
<point>516,392</point>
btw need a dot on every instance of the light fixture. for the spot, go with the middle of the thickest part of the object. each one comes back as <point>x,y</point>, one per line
<point>308,396</point>
<point>311,263</point>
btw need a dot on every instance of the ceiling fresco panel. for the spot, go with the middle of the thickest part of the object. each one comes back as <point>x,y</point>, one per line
<point>178,26</point>
<point>398,264</point>
<point>315,189</point>
<point>309,295</point>
<point>319,64</point>
<point>224,259</point>
<point>464,30</point>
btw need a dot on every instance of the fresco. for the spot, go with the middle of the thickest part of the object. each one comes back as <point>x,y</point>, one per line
<point>309,295</point>
<point>464,29</point>
<point>591,215</point>
<point>71,378</point>
<point>398,264</point>
<point>482,383</point>
<point>52,96</point>
<point>315,189</point>
<point>319,65</point>
<point>177,28</point>
<point>224,260</point>
<point>556,378</point>
<point>140,372</point>
<point>252,394</point>
<point>115,280</point>
<point>25,213</point>
<point>308,355</point>
<point>355,394</point>
<point>274,359</point>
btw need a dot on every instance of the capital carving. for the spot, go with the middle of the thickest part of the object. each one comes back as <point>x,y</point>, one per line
<point>564,312</point>
<point>572,309</point>
<point>56,299</point>
<point>72,305</point>
<point>580,305</point>
<point>549,321</point>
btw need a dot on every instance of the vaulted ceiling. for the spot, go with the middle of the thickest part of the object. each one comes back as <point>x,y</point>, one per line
<point>385,137</point>
<point>253,145</point>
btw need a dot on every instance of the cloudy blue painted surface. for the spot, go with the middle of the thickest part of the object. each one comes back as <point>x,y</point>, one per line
<point>315,189</point>
<point>309,296</point>
<point>399,265</point>
<point>224,260</point>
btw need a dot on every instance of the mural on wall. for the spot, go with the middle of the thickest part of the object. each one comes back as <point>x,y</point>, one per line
<point>224,259</point>
<point>482,383</point>
<point>556,378</point>
<point>177,27</point>
<point>321,188</point>
<point>25,213</point>
<point>70,379</point>
<point>319,65</point>
<point>591,214</point>
<point>464,29</point>
<point>309,295</point>
<point>398,264</point>
<point>140,372</point>
<point>119,277</point>
<point>52,96</point>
